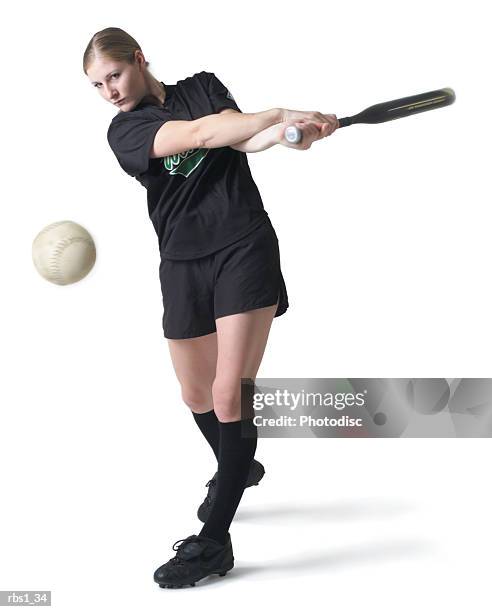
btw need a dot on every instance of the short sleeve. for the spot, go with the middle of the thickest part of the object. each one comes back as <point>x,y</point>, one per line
<point>219,95</point>
<point>131,137</point>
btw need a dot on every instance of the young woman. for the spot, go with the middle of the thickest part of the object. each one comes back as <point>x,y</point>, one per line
<point>220,265</point>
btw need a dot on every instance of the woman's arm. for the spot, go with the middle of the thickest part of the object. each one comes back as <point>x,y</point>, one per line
<point>274,134</point>
<point>262,141</point>
<point>222,130</point>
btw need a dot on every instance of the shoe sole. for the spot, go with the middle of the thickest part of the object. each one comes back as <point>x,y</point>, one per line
<point>221,572</point>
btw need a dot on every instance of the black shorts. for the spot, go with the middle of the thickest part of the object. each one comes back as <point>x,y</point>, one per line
<point>242,276</point>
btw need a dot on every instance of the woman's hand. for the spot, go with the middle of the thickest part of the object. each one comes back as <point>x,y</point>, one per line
<point>311,131</point>
<point>312,117</point>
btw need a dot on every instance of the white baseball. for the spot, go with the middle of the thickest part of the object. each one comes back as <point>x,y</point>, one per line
<point>63,252</point>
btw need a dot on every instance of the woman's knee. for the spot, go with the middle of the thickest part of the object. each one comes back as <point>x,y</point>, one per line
<point>226,395</point>
<point>197,398</point>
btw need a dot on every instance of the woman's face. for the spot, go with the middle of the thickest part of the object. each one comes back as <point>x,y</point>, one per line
<point>120,83</point>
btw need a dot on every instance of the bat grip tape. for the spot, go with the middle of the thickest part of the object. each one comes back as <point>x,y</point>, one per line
<point>344,121</point>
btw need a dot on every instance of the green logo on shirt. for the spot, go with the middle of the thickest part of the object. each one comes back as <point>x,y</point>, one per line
<point>184,163</point>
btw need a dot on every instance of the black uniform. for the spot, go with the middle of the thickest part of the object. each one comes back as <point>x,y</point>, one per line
<point>219,251</point>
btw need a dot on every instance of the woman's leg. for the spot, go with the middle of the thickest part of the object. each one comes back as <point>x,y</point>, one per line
<point>241,342</point>
<point>194,361</point>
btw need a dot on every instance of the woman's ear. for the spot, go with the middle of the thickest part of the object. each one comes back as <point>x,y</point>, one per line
<point>140,59</point>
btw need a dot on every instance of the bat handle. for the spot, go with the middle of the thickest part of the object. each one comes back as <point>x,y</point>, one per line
<point>293,134</point>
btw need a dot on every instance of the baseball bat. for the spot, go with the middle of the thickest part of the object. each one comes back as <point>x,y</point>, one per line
<point>388,111</point>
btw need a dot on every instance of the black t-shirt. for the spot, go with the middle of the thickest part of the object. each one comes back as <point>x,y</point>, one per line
<point>200,200</point>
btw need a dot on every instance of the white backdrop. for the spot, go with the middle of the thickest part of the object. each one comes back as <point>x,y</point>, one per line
<point>384,235</point>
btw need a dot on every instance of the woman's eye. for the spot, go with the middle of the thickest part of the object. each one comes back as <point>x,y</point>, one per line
<point>116,74</point>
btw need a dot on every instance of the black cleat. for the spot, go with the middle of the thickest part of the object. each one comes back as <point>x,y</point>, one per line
<point>256,473</point>
<point>196,558</point>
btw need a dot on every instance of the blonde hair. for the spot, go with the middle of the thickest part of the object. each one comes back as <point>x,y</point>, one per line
<point>112,43</point>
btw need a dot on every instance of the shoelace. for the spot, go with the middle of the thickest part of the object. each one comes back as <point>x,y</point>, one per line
<point>176,560</point>
<point>208,499</point>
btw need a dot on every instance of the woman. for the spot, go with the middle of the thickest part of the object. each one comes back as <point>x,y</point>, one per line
<point>220,264</point>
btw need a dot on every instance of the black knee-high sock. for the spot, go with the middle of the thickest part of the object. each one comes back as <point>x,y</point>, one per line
<point>209,426</point>
<point>235,456</point>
